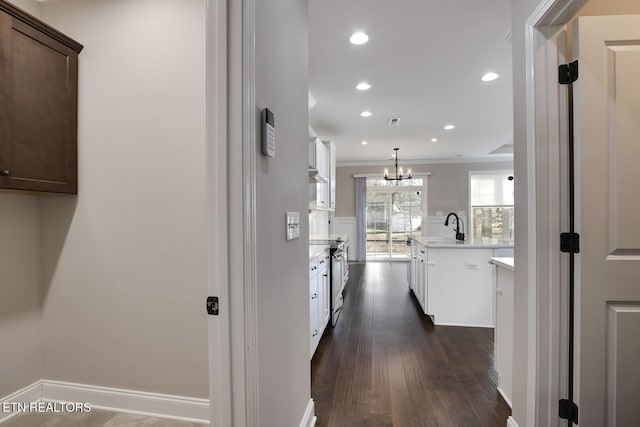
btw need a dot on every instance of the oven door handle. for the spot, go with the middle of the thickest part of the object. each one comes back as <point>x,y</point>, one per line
<point>338,254</point>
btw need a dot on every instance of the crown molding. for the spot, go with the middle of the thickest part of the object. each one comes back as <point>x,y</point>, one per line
<point>506,159</point>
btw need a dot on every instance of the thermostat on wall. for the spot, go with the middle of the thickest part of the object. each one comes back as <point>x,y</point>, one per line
<point>268,133</point>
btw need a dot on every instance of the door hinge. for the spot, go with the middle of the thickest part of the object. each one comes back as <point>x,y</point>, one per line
<point>568,73</point>
<point>568,410</point>
<point>212,306</point>
<point>570,243</point>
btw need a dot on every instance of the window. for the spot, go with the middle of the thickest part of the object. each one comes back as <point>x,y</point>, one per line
<point>491,201</point>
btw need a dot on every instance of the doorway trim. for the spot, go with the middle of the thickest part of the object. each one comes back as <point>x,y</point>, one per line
<point>230,187</point>
<point>544,33</point>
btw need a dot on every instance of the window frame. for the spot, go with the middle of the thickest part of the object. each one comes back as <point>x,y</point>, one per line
<point>469,205</point>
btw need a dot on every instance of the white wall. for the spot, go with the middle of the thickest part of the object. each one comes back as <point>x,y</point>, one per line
<point>20,292</point>
<point>125,261</point>
<point>29,6</point>
<point>20,283</point>
<point>283,292</point>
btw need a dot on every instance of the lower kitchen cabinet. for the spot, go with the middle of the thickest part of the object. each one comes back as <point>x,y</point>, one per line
<point>319,298</point>
<point>418,274</point>
<point>454,283</point>
<point>503,341</point>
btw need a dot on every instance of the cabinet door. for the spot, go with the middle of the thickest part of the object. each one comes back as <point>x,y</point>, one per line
<point>314,317</point>
<point>504,331</point>
<point>322,188</point>
<point>331,151</point>
<point>321,195</point>
<point>39,102</point>
<point>326,299</point>
<point>323,290</point>
<point>322,160</point>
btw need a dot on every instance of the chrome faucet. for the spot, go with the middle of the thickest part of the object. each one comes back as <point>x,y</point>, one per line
<point>458,230</point>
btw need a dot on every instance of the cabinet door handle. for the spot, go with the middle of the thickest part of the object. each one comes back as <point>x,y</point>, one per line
<point>421,252</point>
<point>314,296</point>
<point>325,275</point>
<point>5,172</point>
<point>315,332</point>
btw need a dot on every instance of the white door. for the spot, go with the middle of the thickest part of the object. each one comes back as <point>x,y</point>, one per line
<point>607,125</point>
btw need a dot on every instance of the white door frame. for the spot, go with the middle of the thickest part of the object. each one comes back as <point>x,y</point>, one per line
<point>216,191</point>
<point>546,374</point>
<point>231,186</point>
<point>231,160</point>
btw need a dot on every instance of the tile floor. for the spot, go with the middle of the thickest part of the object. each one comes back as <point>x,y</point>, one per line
<point>95,418</point>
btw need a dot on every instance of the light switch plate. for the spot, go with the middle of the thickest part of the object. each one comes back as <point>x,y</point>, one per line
<point>293,225</point>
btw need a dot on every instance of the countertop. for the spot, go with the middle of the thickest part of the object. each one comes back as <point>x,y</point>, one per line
<point>315,250</point>
<point>451,243</point>
<point>505,262</point>
<point>333,237</point>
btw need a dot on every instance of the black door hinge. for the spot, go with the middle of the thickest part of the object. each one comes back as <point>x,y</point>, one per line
<point>568,410</point>
<point>568,73</point>
<point>212,306</point>
<point>570,243</point>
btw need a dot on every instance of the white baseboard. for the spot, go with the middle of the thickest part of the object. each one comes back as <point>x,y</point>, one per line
<point>511,422</point>
<point>114,399</point>
<point>504,396</point>
<point>309,418</point>
<point>129,401</point>
<point>31,393</point>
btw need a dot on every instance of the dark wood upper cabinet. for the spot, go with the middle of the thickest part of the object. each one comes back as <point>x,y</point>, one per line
<point>38,105</point>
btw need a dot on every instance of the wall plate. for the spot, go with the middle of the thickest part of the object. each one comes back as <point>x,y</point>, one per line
<point>293,225</point>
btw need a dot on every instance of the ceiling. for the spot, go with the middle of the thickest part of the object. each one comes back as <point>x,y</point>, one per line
<point>424,61</point>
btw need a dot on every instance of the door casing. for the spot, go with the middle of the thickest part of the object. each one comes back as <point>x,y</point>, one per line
<point>545,43</point>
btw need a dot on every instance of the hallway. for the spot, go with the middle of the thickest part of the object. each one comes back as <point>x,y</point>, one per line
<point>385,364</point>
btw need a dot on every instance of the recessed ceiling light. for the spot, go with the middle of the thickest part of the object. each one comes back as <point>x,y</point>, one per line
<point>363,86</point>
<point>358,38</point>
<point>366,114</point>
<point>364,142</point>
<point>434,139</point>
<point>449,127</point>
<point>489,77</point>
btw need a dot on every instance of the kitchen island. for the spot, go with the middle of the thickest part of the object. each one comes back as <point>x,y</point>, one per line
<point>453,281</point>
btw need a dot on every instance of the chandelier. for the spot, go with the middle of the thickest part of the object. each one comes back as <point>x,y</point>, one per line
<point>399,171</point>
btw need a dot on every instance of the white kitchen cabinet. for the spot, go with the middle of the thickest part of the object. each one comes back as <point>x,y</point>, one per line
<point>331,152</point>
<point>314,325</point>
<point>453,282</point>
<point>460,287</point>
<point>322,164</point>
<point>503,341</point>
<point>418,274</point>
<point>324,161</point>
<point>319,298</point>
<point>324,288</point>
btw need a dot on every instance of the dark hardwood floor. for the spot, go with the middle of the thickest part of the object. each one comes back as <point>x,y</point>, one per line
<point>386,364</point>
